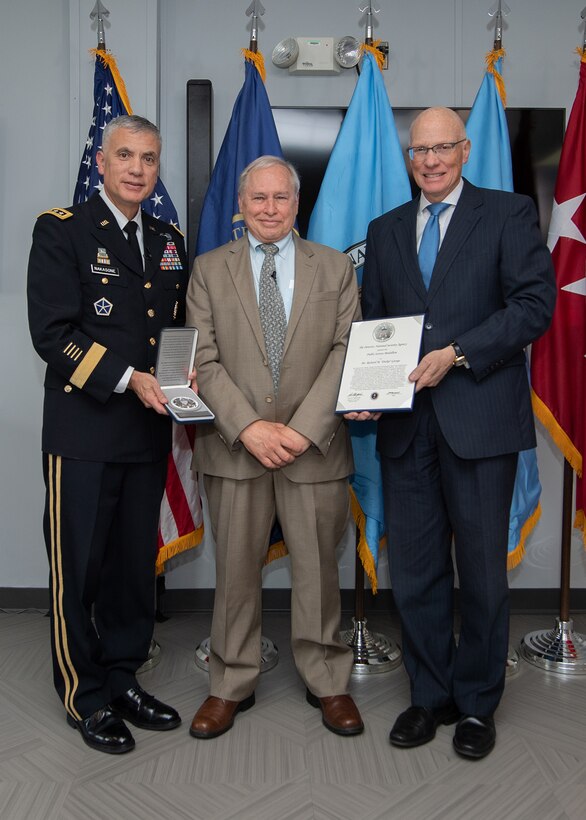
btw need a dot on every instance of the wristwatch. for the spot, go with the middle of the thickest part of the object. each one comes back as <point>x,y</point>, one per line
<point>460,359</point>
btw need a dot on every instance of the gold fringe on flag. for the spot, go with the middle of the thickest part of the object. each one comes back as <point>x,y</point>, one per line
<point>176,547</point>
<point>276,550</point>
<point>491,59</point>
<point>257,59</point>
<point>364,553</point>
<point>110,62</point>
<point>580,524</point>
<point>582,53</point>
<point>378,55</point>
<point>564,444</point>
<point>561,439</point>
<point>515,557</point>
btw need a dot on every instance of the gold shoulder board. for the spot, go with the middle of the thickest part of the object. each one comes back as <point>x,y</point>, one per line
<point>60,213</point>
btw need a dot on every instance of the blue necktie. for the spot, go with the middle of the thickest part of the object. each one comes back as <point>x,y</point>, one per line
<point>429,244</point>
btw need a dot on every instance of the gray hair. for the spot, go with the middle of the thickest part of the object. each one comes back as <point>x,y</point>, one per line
<point>268,161</point>
<point>133,123</point>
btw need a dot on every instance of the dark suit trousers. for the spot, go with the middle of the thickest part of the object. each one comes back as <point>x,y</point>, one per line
<point>100,525</point>
<point>431,498</point>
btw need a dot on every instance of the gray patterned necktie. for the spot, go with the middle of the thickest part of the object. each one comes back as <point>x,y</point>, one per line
<point>272,312</point>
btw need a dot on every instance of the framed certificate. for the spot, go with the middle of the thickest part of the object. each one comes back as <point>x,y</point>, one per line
<point>175,361</point>
<point>380,355</point>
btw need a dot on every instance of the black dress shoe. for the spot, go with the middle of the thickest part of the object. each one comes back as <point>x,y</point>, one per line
<point>417,724</point>
<point>104,732</point>
<point>474,737</point>
<point>145,711</point>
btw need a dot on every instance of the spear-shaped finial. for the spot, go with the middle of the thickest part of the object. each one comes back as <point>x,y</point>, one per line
<point>100,11</point>
<point>368,38</point>
<point>255,10</point>
<point>498,11</point>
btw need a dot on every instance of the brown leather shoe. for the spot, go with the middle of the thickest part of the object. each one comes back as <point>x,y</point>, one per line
<point>216,715</point>
<point>339,713</point>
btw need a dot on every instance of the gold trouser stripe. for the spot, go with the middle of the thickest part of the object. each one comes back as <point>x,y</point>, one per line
<point>87,365</point>
<point>60,630</point>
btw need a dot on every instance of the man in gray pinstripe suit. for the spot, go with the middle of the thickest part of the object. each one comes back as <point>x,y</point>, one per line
<point>449,466</point>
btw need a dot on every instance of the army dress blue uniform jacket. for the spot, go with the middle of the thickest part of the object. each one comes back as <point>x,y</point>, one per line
<point>93,313</point>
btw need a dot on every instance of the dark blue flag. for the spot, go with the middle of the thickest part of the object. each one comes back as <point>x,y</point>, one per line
<point>110,101</point>
<point>251,133</point>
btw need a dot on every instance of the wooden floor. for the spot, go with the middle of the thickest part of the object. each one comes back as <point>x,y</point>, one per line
<point>279,762</point>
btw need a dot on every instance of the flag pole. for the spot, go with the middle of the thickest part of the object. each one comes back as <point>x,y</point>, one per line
<point>373,651</point>
<point>561,649</point>
<point>99,11</point>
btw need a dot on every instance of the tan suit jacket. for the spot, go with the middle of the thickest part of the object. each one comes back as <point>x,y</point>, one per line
<point>233,375</point>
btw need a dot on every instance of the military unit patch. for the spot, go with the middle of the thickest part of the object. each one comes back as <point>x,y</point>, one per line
<point>171,260</point>
<point>103,307</point>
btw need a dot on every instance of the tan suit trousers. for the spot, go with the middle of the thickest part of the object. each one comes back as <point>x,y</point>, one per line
<point>313,518</point>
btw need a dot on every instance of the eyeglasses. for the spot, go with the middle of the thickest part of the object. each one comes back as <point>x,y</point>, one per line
<point>418,153</point>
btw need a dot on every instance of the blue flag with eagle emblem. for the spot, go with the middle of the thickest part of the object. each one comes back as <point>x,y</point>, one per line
<point>366,176</point>
<point>251,133</point>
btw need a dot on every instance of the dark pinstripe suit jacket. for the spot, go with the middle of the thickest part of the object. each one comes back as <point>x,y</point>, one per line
<point>492,291</point>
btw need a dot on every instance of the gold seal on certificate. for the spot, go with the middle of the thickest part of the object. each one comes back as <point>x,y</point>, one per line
<point>380,355</point>
<point>174,364</point>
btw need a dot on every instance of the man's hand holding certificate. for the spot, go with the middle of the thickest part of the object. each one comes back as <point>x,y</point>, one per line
<point>381,355</point>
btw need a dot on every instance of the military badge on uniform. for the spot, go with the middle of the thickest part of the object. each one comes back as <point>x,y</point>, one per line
<point>60,213</point>
<point>171,260</point>
<point>103,307</point>
<point>103,265</point>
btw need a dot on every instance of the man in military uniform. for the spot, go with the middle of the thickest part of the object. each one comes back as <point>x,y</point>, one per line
<point>104,278</point>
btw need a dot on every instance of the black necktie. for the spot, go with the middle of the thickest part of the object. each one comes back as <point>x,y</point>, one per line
<point>131,229</point>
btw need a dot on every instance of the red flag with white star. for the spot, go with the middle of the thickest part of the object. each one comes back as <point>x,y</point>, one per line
<point>558,360</point>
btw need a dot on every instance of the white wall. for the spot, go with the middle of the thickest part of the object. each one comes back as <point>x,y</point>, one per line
<point>437,57</point>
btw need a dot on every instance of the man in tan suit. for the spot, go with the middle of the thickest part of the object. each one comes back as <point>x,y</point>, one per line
<point>274,313</point>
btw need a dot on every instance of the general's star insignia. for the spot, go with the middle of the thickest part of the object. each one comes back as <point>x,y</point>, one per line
<point>103,307</point>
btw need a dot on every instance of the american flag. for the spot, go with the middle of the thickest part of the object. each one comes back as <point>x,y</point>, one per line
<point>181,518</point>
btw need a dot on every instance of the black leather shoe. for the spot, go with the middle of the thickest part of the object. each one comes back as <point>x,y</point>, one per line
<point>474,737</point>
<point>417,724</point>
<point>145,711</point>
<point>104,732</point>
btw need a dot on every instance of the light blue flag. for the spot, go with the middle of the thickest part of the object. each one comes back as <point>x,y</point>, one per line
<point>366,176</point>
<point>490,166</point>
